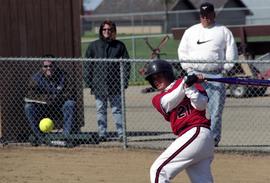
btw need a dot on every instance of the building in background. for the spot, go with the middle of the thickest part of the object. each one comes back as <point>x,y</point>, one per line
<point>159,16</point>
<point>90,5</point>
<point>260,10</point>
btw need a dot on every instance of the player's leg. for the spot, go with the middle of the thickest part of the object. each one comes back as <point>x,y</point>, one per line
<point>115,101</point>
<point>101,107</point>
<point>193,146</point>
<point>217,94</point>
<point>201,172</point>
<point>68,111</point>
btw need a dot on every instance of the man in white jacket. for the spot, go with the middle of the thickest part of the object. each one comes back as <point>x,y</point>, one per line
<point>209,42</point>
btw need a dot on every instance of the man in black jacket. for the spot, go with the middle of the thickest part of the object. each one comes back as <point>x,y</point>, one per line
<point>103,77</point>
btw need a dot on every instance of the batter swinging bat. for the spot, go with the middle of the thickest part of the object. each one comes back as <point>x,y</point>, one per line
<point>241,81</point>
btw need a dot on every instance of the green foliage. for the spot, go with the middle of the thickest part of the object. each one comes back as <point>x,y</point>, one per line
<point>90,35</point>
<point>140,50</point>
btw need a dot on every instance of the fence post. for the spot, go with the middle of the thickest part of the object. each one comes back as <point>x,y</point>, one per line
<point>123,104</point>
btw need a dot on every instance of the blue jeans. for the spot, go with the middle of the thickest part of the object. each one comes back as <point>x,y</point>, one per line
<point>35,112</point>
<point>217,93</point>
<point>101,107</point>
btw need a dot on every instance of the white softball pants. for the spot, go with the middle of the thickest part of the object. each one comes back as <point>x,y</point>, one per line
<point>193,151</point>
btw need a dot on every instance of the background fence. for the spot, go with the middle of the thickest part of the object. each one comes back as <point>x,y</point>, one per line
<point>162,21</point>
<point>133,27</point>
<point>245,117</point>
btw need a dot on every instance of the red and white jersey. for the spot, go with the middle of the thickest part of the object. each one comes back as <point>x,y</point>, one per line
<point>183,107</point>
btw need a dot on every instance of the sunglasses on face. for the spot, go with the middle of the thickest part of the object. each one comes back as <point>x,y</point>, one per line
<point>47,66</point>
<point>107,29</point>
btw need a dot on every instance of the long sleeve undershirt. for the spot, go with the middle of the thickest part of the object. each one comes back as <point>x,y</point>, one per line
<point>175,97</point>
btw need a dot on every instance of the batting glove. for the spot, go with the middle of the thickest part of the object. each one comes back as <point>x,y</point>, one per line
<point>191,79</point>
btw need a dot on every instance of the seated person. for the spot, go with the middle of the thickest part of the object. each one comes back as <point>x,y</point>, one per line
<point>50,94</point>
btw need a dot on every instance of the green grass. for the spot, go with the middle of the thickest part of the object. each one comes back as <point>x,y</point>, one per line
<point>169,51</point>
<point>141,50</point>
<point>258,38</point>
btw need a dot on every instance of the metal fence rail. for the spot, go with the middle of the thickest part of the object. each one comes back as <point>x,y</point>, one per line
<point>245,117</point>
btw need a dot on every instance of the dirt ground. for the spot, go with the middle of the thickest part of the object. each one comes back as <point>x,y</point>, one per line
<point>114,165</point>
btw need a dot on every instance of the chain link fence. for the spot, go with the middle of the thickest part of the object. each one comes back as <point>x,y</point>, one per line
<point>71,104</point>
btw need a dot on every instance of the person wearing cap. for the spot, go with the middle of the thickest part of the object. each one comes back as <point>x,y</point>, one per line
<point>209,42</point>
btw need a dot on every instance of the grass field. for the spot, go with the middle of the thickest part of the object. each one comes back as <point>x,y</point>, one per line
<point>140,50</point>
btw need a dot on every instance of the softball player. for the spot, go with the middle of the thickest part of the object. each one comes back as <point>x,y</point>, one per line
<point>182,102</point>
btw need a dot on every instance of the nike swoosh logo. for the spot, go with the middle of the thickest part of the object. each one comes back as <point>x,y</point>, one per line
<point>201,42</point>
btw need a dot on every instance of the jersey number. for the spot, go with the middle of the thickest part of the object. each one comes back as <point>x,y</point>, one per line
<point>183,110</point>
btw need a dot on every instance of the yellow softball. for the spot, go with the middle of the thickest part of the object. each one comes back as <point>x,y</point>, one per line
<point>46,125</point>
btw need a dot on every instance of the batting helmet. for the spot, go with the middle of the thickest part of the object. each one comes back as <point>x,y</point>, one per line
<point>159,66</point>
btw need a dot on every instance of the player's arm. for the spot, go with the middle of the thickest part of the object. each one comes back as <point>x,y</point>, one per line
<point>173,98</point>
<point>197,98</point>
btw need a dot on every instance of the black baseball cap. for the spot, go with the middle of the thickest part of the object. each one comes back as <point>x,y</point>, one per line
<point>206,8</point>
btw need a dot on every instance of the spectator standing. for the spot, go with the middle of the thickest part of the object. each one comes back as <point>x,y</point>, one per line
<point>103,77</point>
<point>209,41</point>
<point>50,94</point>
